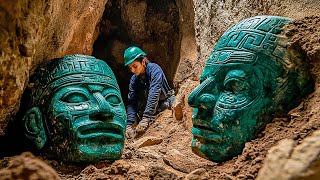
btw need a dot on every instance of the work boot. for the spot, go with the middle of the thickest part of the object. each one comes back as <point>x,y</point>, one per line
<point>130,133</point>
<point>143,125</point>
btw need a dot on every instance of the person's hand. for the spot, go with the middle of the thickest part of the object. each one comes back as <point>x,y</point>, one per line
<point>143,125</point>
<point>130,133</point>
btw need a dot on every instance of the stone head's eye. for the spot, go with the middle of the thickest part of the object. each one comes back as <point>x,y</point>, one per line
<point>75,97</point>
<point>235,86</point>
<point>112,99</point>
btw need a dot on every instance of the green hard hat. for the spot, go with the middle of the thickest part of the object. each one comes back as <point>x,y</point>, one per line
<point>131,54</point>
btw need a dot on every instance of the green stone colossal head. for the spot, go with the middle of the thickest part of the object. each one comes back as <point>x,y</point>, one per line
<point>252,74</point>
<point>77,113</point>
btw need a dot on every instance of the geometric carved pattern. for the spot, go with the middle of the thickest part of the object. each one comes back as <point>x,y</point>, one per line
<point>251,36</point>
<point>73,69</point>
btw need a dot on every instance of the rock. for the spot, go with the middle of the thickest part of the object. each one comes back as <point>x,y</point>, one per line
<point>128,154</point>
<point>147,141</point>
<point>177,111</point>
<point>158,172</point>
<point>285,162</point>
<point>178,106</point>
<point>185,90</point>
<point>241,176</point>
<point>138,171</point>
<point>89,170</point>
<point>276,159</point>
<point>178,161</point>
<point>120,167</point>
<point>197,174</point>
<point>305,158</point>
<point>257,160</point>
<point>27,166</point>
<point>147,153</point>
<point>294,115</point>
<point>229,177</point>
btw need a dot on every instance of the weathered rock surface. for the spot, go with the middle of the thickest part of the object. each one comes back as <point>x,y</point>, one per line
<point>27,166</point>
<point>182,111</point>
<point>178,161</point>
<point>278,154</point>
<point>285,161</point>
<point>198,174</point>
<point>147,141</point>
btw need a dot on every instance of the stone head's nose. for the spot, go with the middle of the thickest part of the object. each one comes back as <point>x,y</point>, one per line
<point>202,95</point>
<point>103,108</point>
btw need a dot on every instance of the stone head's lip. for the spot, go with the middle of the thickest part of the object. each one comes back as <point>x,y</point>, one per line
<point>206,133</point>
<point>100,129</point>
<point>207,125</point>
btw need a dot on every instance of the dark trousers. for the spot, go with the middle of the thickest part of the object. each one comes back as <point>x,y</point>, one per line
<point>163,104</point>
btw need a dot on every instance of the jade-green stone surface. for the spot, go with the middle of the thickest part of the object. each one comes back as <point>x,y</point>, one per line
<point>252,74</point>
<point>76,111</point>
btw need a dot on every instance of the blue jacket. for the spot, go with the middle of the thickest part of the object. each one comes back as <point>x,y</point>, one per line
<point>156,86</point>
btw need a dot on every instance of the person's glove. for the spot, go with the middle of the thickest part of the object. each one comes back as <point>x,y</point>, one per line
<point>130,133</point>
<point>143,125</point>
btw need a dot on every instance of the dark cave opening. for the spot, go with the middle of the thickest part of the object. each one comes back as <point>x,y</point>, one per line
<point>151,25</point>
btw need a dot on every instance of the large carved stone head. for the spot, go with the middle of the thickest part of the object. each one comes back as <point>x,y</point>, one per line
<point>77,113</point>
<point>252,74</point>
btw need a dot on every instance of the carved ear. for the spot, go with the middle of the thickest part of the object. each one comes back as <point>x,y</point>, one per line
<point>34,127</point>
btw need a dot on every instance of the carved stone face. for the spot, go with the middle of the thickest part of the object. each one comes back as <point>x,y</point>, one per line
<point>82,115</point>
<point>247,78</point>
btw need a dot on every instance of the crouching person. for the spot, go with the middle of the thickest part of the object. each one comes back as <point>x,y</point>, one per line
<point>149,91</point>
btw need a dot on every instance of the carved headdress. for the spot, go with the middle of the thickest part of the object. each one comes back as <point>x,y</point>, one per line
<point>69,70</point>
